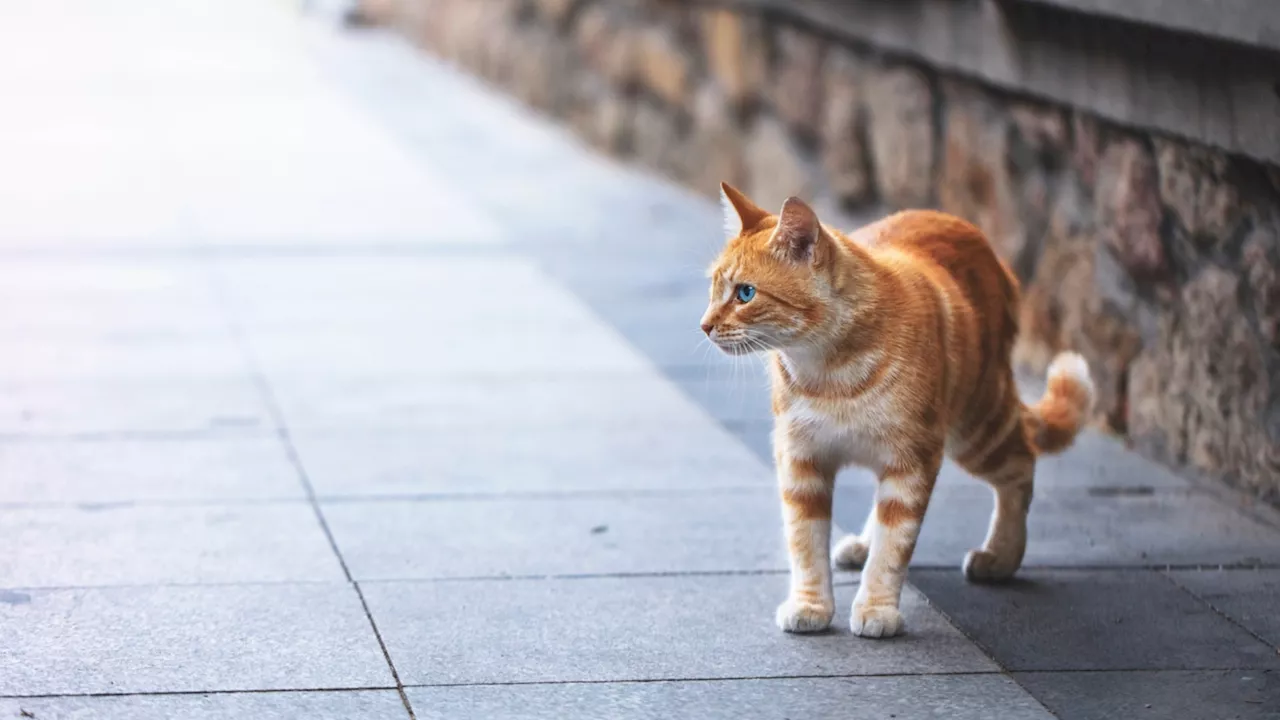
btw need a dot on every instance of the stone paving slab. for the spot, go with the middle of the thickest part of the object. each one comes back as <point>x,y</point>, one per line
<point>129,357</point>
<point>739,396</point>
<point>591,458</point>
<point>125,544</point>
<point>228,405</point>
<point>463,352</point>
<point>340,705</point>
<point>1093,620</point>
<point>647,628</point>
<point>97,472</point>
<point>105,297</point>
<point>415,294</point>
<point>497,404</point>
<point>563,535</point>
<point>956,697</point>
<point>1073,527</point>
<point>1249,597</point>
<point>187,639</point>
<point>1164,695</point>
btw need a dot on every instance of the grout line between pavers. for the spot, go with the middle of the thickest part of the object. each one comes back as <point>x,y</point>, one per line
<point>480,497</point>
<point>629,681</point>
<point>110,436</point>
<point>180,693</point>
<point>820,676</point>
<point>989,653</point>
<point>848,580</point>
<point>1218,611</point>
<point>267,249</point>
<point>273,408</point>
<point>728,678</point>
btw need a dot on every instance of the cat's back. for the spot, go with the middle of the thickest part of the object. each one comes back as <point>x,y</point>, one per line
<point>947,240</point>
<point>961,250</point>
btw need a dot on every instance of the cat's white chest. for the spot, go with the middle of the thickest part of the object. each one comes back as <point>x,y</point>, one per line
<point>823,434</point>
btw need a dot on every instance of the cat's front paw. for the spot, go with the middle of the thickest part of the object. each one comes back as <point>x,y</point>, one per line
<point>875,621</point>
<point>798,616</point>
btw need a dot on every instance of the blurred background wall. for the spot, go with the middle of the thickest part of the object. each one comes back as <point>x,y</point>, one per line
<point>1124,161</point>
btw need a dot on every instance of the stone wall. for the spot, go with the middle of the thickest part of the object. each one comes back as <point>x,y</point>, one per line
<point>1156,258</point>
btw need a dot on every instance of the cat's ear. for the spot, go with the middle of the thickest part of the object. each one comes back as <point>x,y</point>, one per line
<point>740,214</point>
<point>798,231</point>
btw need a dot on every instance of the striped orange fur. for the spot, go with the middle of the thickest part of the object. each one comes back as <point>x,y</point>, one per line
<point>889,348</point>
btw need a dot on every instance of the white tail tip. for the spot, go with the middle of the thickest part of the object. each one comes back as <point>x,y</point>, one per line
<point>1072,366</point>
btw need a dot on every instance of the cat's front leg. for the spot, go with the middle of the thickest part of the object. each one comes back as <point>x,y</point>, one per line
<point>902,496</point>
<point>806,514</point>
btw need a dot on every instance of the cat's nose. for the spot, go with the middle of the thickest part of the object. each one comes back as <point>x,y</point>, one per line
<point>707,327</point>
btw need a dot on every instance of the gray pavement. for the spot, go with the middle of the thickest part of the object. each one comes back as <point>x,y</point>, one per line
<point>339,386</point>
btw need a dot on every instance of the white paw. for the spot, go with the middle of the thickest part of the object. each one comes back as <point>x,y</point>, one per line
<point>796,616</point>
<point>875,621</point>
<point>850,553</point>
<point>985,566</point>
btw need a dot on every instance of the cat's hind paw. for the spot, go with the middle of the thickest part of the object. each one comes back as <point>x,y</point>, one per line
<point>850,553</point>
<point>875,621</point>
<point>797,616</point>
<point>984,566</point>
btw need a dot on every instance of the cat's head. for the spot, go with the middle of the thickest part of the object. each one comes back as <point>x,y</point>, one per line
<point>771,285</point>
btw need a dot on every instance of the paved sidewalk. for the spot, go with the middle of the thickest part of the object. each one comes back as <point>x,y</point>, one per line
<point>339,387</point>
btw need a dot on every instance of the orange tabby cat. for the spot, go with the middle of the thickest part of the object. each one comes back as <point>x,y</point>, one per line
<point>888,348</point>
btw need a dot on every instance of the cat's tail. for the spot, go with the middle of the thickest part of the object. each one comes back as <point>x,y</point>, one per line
<point>1062,411</point>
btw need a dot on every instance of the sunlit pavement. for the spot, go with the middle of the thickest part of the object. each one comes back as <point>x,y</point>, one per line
<point>335,385</point>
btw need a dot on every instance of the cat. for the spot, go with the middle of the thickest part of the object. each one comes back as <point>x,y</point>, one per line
<point>888,348</point>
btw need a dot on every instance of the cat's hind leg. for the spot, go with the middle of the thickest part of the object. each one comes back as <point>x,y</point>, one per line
<point>1009,468</point>
<point>851,552</point>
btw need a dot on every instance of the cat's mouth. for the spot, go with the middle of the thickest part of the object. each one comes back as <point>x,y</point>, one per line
<point>736,344</point>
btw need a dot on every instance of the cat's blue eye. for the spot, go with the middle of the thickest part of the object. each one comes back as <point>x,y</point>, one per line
<point>746,293</point>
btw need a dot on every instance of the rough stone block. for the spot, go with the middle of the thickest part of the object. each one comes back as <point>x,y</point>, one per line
<point>1260,258</point>
<point>665,68</point>
<point>610,45</point>
<point>735,49</point>
<point>1201,393</point>
<point>796,87</point>
<point>657,140</point>
<point>845,155</point>
<point>557,12</point>
<point>900,105</point>
<point>975,181</point>
<point>717,152</point>
<point>1079,298</point>
<point>777,166</point>
<point>1195,186</point>
<point>1129,210</point>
